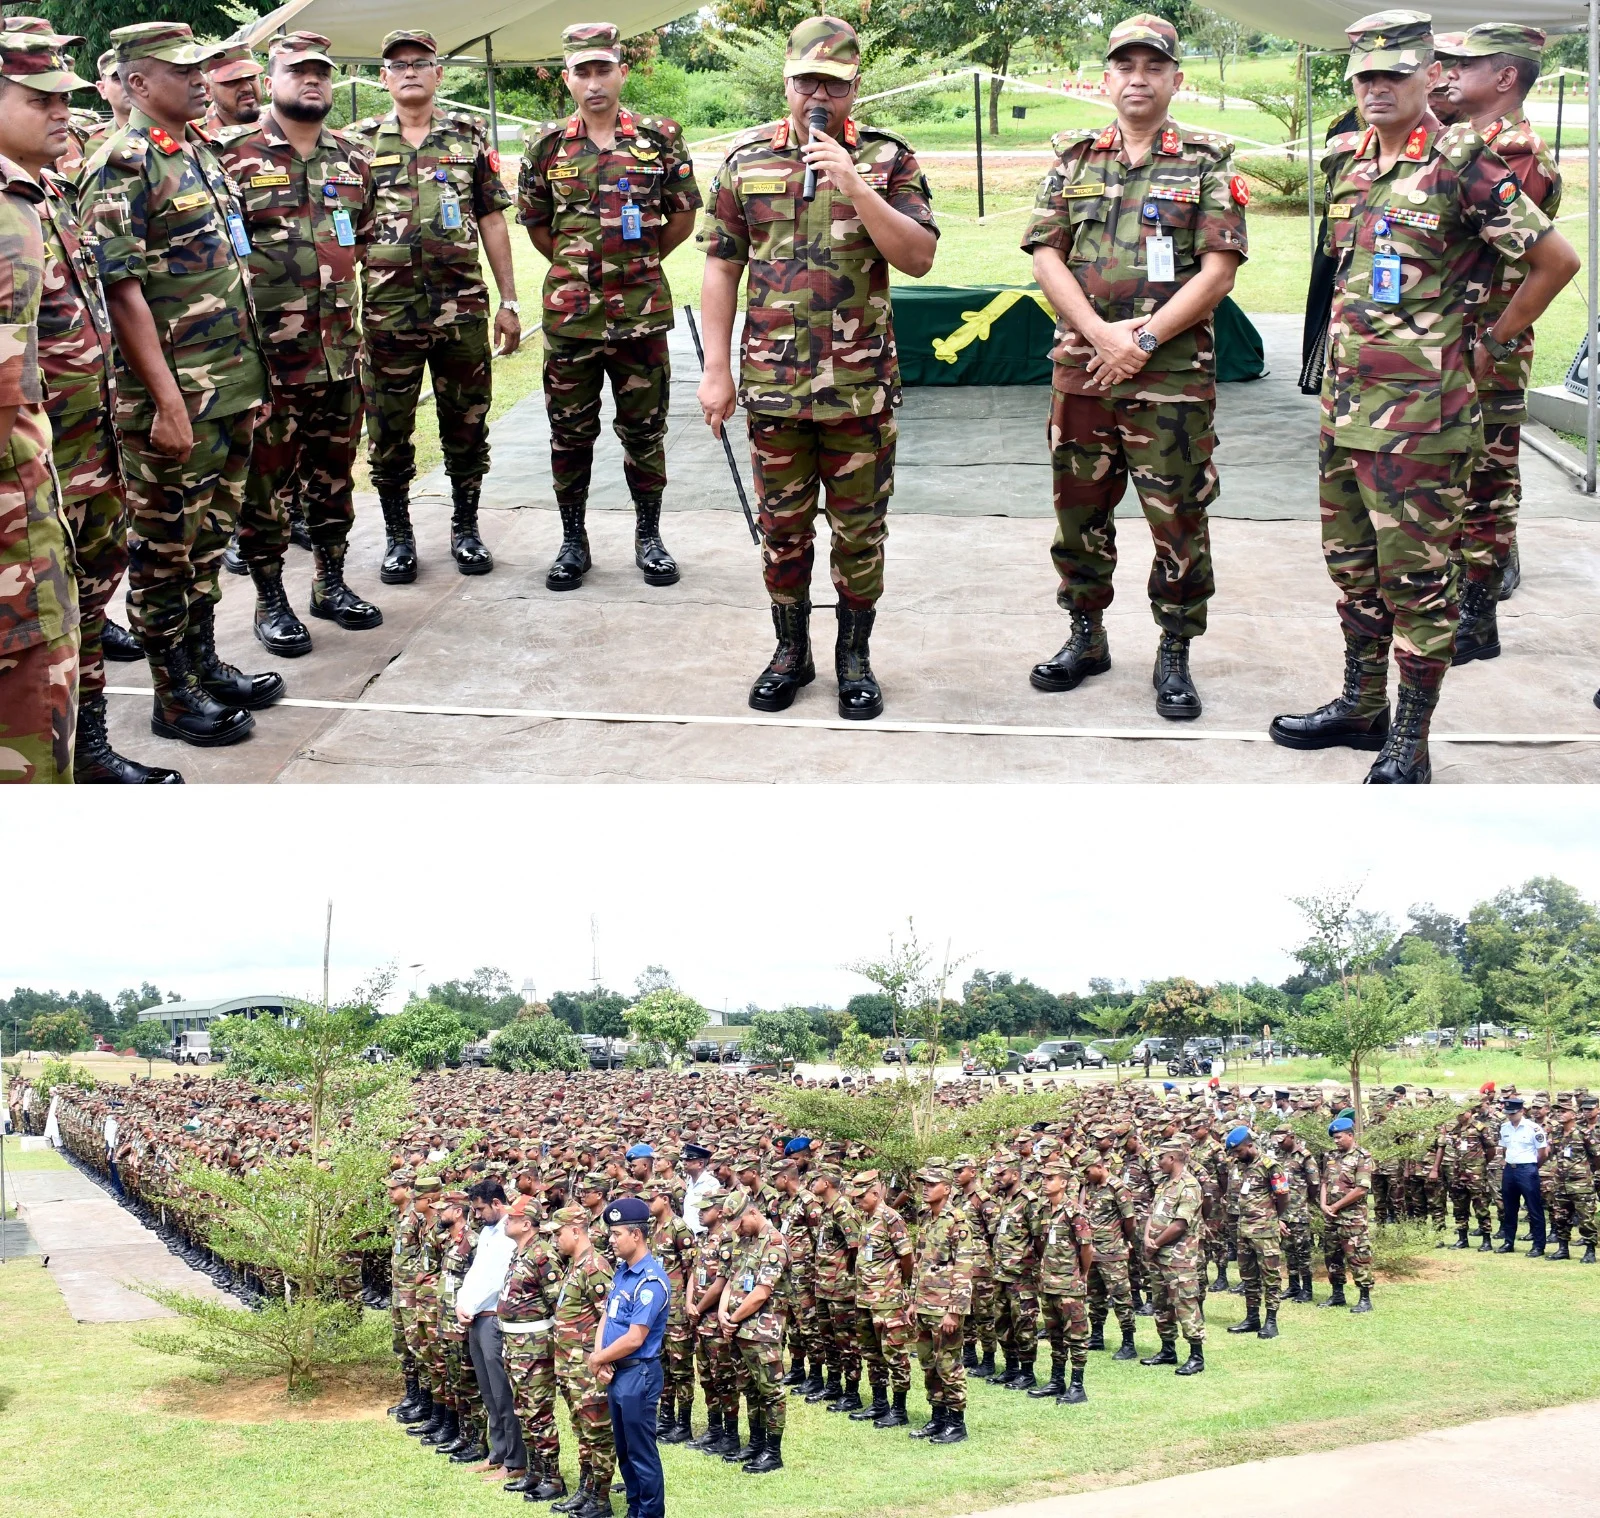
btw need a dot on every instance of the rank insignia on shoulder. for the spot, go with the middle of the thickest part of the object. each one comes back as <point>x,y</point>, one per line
<point>1342,211</point>
<point>1239,188</point>
<point>772,1257</point>
<point>1171,145</point>
<point>164,139</point>
<point>1107,138</point>
<point>1507,190</point>
<point>1416,142</point>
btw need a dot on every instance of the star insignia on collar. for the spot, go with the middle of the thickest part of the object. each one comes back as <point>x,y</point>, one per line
<point>1380,40</point>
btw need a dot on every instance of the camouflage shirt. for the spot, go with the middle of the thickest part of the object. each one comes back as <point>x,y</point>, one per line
<point>1398,378</point>
<point>946,1258</point>
<point>403,1256</point>
<point>421,271</point>
<point>580,1304</point>
<point>600,284</point>
<point>1106,1206</point>
<point>799,1218</point>
<point>309,220</point>
<point>1177,1199</point>
<point>818,339</point>
<point>75,340</point>
<point>983,1212</point>
<point>672,1242</point>
<point>1251,1191</point>
<point>758,1261</point>
<point>1097,209</point>
<point>533,1286</point>
<point>1065,1231</point>
<point>1343,1172</point>
<point>884,1243</point>
<point>1137,1177</point>
<point>838,1235</point>
<point>159,212</point>
<point>1304,1176</point>
<point>38,590</point>
<point>1015,1256</point>
<point>713,1260</point>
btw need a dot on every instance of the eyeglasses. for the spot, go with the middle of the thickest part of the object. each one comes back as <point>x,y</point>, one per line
<point>410,65</point>
<point>809,84</point>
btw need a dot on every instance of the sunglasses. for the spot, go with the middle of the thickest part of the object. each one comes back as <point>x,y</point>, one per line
<point>810,84</point>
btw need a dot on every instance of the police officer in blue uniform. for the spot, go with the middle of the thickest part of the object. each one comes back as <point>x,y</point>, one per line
<point>630,1344</point>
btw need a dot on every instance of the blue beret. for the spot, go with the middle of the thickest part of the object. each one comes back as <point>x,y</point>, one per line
<point>1341,1125</point>
<point>627,1209</point>
<point>1168,1086</point>
<point>1237,1136</point>
<point>641,1152</point>
<point>795,1145</point>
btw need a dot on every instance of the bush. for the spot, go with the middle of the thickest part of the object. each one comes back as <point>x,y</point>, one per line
<point>61,1072</point>
<point>1398,1249</point>
<point>425,1034</point>
<point>533,1045</point>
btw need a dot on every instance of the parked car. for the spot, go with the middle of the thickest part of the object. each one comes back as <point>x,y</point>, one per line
<point>1063,1054</point>
<point>604,1053</point>
<point>1011,1065</point>
<point>911,1046</point>
<point>1160,1049</point>
<point>191,1048</point>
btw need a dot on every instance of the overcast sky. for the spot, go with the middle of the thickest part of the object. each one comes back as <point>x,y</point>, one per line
<point>759,894</point>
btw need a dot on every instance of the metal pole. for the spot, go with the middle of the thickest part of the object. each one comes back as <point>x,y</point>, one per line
<point>1561,106</point>
<point>1593,417</point>
<point>977,128</point>
<point>1311,158</point>
<point>494,115</point>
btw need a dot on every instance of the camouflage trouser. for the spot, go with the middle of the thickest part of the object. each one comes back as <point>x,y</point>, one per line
<point>980,1321</point>
<point>1180,1305</point>
<point>457,357</point>
<point>1469,1196</point>
<point>1389,527</point>
<point>531,1369</point>
<point>305,453</point>
<point>758,1369</point>
<point>807,1327</point>
<point>1347,1248</point>
<point>425,1339</point>
<point>715,1358</point>
<point>1389,1195</point>
<point>1416,1196</point>
<point>180,517</point>
<point>398,1316</point>
<point>1261,1271</point>
<point>1066,1323</point>
<point>792,461</point>
<point>85,452</point>
<point>1016,1321</point>
<point>844,1344</point>
<point>1214,1236</point>
<point>1298,1248</point>
<point>943,1376</point>
<point>1493,494</point>
<point>39,712</point>
<point>575,373</point>
<point>591,1422</point>
<point>1110,1291</point>
<point>885,1337</point>
<point>458,1372</point>
<point>677,1361</point>
<point>1574,1204</point>
<point>1096,443</point>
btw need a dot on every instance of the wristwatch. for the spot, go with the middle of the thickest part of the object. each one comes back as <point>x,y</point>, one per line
<point>512,307</point>
<point>1147,340</point>
<point>1498,350</point>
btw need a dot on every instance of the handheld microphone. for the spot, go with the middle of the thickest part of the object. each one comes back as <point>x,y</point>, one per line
<point>817,116</point>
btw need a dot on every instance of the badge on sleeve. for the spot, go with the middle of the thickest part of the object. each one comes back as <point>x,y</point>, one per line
<point>1239,189</point>
<point>493,156</point>
<point>1507,190</point>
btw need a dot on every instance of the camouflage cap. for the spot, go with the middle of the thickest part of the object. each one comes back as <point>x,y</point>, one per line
<point>734,1204</point>
<point>591,42</point>
<point>823,45</point>
<point>1146,31</point>
<point>522,1207</point>
<point>421,39</point>
<point>1450,45</point>
<point>595,1180</point>
<point>230,63</point>
<point>1509,37</point>
<point>428,1184</point>
<point>568,1217</point>
<point>300,47</point>
<point>964,1162</point>
<point>453,1199</point>
<point>35,26</point>
<point>933,1172</point>
<point>1389,42</point>
<point>862,1182</point>
<point>37,61</point>
<point>1176,1146</point>
<point>170,41</point>
<point>106,61</point>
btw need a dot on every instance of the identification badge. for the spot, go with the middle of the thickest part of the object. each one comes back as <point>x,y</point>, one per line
<point>614,1305</point>
<point>1386,279</point>
<point>1052,1235</point>
<point>749,1283</point>
<point>631,223</point>
<point>342,228</point>
<point>237,234</point>
<point>449,212</point>
<point>1160,265</point>
<point>866,1254</point>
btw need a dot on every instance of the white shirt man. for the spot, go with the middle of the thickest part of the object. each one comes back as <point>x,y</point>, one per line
<point>697,1186</point>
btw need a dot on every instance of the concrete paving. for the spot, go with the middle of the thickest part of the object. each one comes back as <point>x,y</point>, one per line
<point>1533,1461</point>
<point>98,1252</point>
<point>969,607</point>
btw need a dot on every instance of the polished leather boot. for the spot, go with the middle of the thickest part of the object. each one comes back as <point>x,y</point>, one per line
<point>1176,698</point>
<point>278,629</point>
<point>183,710</point>
<point>1337,1299</point>
<point>1510,575</point>
<point>95,762</point>
<point>849,1400</point>
<point>407,1402</point>
<point>1461,1240</point>
<point>572,560</point>
<point>876,1408</point>
<point>711,1435</point>
<point>935,1423</point>
<point>1097,1334</point>
<point>1128,1349</point>
<point>1404,760</point>
<point>551,1486</point>
<point>1074,1392</point>
<point>860,699</point>
<point>119,645</point>
<point>399,565</point>
<point>1364,1304</point>
<point>220,680</point>
<point>742,1452</point>
<point>1055,1385</point>
<point>656,565</point>
<point>1478,632</point>
<point>768,1458</point>
<point>1561,1251</point>
<point>471,554</point>
<point>1085,653</point>
<point>299,528</point>
<point>1195,1363</point>
<point>1269,1327</point>
<point>421,1411</point>
<point>577,1499</point>
<point>830,1391</point>
<point>332,599</point>
<point>797,1373</point>
<point>232,559</point>
<point>954,1430</point>
<point>896,1416</point>
<point>1250,1323</point>
<point>1024,1380</point>
<point>790,667</point>
<point>1166,1355</point>
<point>1358,717</point>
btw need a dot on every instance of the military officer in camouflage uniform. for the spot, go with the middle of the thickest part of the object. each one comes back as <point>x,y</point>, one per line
<point>1488,83</point>
<point>838,1241</point>
<point>424,302</point>
<point>713,1355</point>
<point>941,1299</point>
<point>799,1218</point>
<point>750,1313</point>
<point>1137,234</point>
<point>1016,1275</point>
<point>580,1303</point>
<point>1258,1185</point>
<point>982,1211</point>
<point>1572,1168</point>
<point>526,1310</point>
<point>172,244</point>
<point>672,1242</point>
<point>818,375</point>
<point>403,1292</point>
<point>1109,1207</point>
<point>1173,1248</point>
<point>883,1271</point>
<point>1346,1186</point>
<point>1413,210</point>
<point>308,208</point>
<point>1066,1253</point>
<point>606,195</point>
<point>1304,1175</point>
<point>233,81</point>
<point>111,91</point>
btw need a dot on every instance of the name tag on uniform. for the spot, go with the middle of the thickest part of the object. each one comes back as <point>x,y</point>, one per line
<point>763,186</point>
<point>190,202</point>
<point>1386,279</point>
<point>1082,191</point>
<point>749,1282</point>
<point>385,160</point>
<point>237,234</point>
<point>267,181</point>
<point>343,230</point>
<point>1341,212</point>
<point>866,1254</point>
<point>567,171</point>
<point>1052,1235</point>
<point>1160,265</point>
<point>1244,1186</point>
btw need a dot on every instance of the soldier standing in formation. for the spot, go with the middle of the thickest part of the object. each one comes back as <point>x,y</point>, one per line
<point>1415,210</point>
<point>423,300</point>
<point>1066,1255</point>
<point>308,207</point>
<point>672,1242</point>
<point>1346,1187</point>
<point>941,1300</point>
<point>233,81</point>
<point>982,1211</point>
<point>884,1264</point>
<point>1261,1188</point>
<point>1137,235</point>
<point>713,1354</point>
<point>606,195</point>
<point>1304,1177</point>
<point>1113,1230</point>
<point>580,1303</point>
<point>818,375</point>
<point>751,1322</point>
<point>838,1241</point>
<point>527,1310</point>
<point>110,90</point>
<point>1173,1248</point>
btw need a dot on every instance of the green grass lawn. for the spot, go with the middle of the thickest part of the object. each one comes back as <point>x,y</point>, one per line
<point>81,1415</point>
<point>1453,1070</point>
<point>35,1159</point>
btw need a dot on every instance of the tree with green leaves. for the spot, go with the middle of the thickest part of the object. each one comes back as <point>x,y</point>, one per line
<point>486,999</point>
<point>1540,992</point>
<point>1431,983</point>
<point>1544,909</point>
<point>664,1022</point>
<point>1173,1008</point>
<point>150,1042</point>
<point>535,1045</point>
<point>424,1033</point>
<point>780,1037</point>
<point>858,1053</point>
<point>59,1032</point>
<point>1114,1022</point>
<point>990,1051</point>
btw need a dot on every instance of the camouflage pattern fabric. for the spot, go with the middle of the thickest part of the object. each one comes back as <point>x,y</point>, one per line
<point>947,1256</point>
<point>305,454</point>
<point>533,1285</point>
<point>792,462</point>
<point>798,1221</point>
<point>1178,1265</point>
<point>1344,1172</point>
<point>673,1244</point>
<point>600,286</point>
<point>1065,1320</point>
<point>713,1354</point>
<point>944,1378</point>
<point>1062,1289</point>
<point>1573,1174</point>
<point>575,372</point>
<point>579,1305</point>
<point>884,1334</point>
<point>818,338</point>
<point>392,364</point>
<point>758,1341</point>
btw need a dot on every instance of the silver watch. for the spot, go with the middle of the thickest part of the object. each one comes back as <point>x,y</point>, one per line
<point>513,307</point>
<point>1147,340</point>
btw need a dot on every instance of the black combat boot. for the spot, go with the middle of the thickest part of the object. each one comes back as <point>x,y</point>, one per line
<point>421,1411</point>
<point>829,1391</point>
<point>969,1356</point>
<point>1221,1282</point>
<point>1176,698</point>
<point>797,1373</point>
<point>95,762</point>
<point>1560,1252</point>
<point>471,554</point>
<point>119,645</point>
<point>1269,1326</point>
<point>685,1429</point>
<point>299,528</point>
<point>407,1402</point>
<point>934,1424</point>
<point>749,1451</point>
<point>1251,1321</point>
<point>1478,633</point>
<point>656,565</point>
<point>1166,1355</point>
<point>278,629</point>
<point>1358,717</point>
<point>816,1387</point>
<point>183,710</point>
<point>1006,1376</point>
<point>895,1417</point>
<point>1129,1350</point>
<point>332,599</point>
<point>954,1430</point>
<point>768,1458</point>
<point>1537,1252</point>
<point>665,1418</point>
<point>713,1431</point>
<point>470,1454</point>
<point>1097,1334</point>
<point>399,565</point>
<point>879,1405</point>
<point>1404,760</point>
<point>1085,653</point>
<point>598,1504</point>
<point>1024,1379</point>
<point>550,1486</point>
<point>860,699</point>
<point>1305,1288</point>
<point>791,666</point>
<point>985,1370</point>
<point>1365,1304</point>
<point>1510,575</point>
<point>1073,1392</point>
<point>232,559</point>
<point>221,681</point>
<point>1588,1255</point>
<point>849,1401</point>
<point>727,1440</point>
<point>1337,1299</point>
<point>572,561</point>
<point>1057,1382</point>
<point>429,1432</point>
<point>577,1500</point>
<point>1195,1363</point>
<point>1485,1244</point>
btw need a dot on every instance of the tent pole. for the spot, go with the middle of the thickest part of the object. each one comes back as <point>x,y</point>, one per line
<point>1593,429</point>
<point>977,127</point>
<point>1311,157</point>
<point>494,115</point>
<point>1561,107</point>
